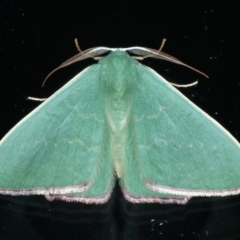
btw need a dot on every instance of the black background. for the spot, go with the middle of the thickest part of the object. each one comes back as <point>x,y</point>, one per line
<point>36,36</point>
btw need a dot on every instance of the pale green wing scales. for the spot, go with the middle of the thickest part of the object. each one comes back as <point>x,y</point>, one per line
<point>62,146</point>
<point>132,183</point>
<point>180,149</point>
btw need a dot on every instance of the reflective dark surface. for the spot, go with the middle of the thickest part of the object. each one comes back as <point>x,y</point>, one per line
<point>36,218</point>
<point>37,36</point>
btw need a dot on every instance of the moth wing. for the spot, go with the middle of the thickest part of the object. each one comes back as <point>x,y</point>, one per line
<point>179,149</point>
<point>132,182</point>
<point>62,146</point>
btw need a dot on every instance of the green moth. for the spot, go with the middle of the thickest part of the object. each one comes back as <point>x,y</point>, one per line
<point>119,119</point>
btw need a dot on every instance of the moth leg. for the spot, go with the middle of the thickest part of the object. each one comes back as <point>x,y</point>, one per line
<point>162,44</point>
